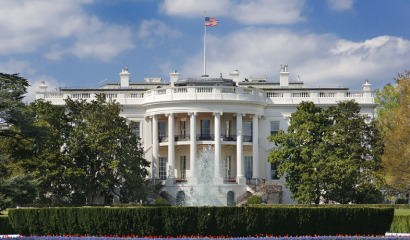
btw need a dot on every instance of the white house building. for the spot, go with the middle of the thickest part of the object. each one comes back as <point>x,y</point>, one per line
<point>178,118</point>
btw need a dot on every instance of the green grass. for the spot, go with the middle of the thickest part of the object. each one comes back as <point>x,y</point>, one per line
<point>401,211</point>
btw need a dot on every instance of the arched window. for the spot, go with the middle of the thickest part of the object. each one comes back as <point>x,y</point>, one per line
<point>180,198</point>
<point>230,199</point>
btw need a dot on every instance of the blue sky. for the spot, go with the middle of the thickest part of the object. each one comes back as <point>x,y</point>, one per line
<point>328,43</point>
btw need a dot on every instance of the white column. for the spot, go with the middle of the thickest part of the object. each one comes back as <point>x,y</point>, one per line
<point>171,148</point>
<point>155,153</point>
<point>255,146</point>
<point>192,155</point>
<point>218,178</point>
<point>239,150</point>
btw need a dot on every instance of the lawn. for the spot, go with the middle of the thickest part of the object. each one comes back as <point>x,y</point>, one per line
<point>401,211</point>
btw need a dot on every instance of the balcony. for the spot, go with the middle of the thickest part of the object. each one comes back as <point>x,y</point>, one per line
<point>228,138</point>
<point>180,138</point>
<point>205,137</point>
<point>247,138</point>
<point>163,138</point>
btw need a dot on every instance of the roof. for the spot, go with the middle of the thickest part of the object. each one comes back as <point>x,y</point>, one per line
<point>204,80</point>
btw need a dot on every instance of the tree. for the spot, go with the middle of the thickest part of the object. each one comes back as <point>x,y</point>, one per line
<point>15,187</point>
<point>327,154</point>
<point>105,151</point>
<point>396,155</point>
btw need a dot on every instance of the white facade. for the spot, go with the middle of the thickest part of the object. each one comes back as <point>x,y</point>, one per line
<point>235,117</point>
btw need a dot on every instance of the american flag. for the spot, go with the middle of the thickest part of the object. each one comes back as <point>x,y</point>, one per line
<point>211,22</point>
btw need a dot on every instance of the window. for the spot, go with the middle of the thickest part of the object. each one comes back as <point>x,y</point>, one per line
<point>274,171</point>
<point>247,137</point>
<point>182,166</point>
<point>248,167</point>
<point>227,85</point>
<point>274,128</point>
<point>228,128</point>
<point>163,168</point>
<point>162,129</point>
<point>205,130</point>
<point>136,129</point>
<point>182,126</point>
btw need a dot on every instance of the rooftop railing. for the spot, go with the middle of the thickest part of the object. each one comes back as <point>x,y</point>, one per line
<point>288,96</point>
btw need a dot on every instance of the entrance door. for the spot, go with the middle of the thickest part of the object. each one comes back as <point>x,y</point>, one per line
<point>248,167</point>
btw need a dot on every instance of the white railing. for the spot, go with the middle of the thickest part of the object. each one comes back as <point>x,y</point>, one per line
<point>204,89</point>
<point>288,96</point>
<point>111,95</point>
<point>274,94</point>
<point>135,95</point>
<point>301,94</point>
<point>80,95</point>
<point>180,90</point>
<point>327,94</point>
<point>356,94</point>
<point>53,95</point>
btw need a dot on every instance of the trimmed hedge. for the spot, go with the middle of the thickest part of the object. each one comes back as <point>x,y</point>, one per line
<point>5,226</point>
<point>400,224</point>
<point>215,221</point>
<point>395,206</point>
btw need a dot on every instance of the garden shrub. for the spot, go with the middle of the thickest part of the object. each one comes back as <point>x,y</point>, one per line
<point>401,201</point>
<point>254,200</point>
<point>216,221</point>
<point>5,226</point>
<point>159,201</point>
<point>400,224</point>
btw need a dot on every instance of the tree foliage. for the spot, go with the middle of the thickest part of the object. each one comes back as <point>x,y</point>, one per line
<point>396,123</point>
<point>328,154</point>
<point>15,187</point>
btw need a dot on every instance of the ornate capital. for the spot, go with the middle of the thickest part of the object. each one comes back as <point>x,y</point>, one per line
<point>217,113</point>
<point>239,114</point>
<point>148,117</point>
<point>192,114</point>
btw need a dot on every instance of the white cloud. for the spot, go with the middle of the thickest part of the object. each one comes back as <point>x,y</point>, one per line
<point>52,84</point>
<point>27,25</point>
<point>246,12</point>
<point>340,5</point>
<point>152,30</point>
<point>320,59</point>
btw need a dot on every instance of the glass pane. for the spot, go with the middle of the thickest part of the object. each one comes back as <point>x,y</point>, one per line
<point>274,128</point>
<point>248,129</point>
<point>205,127</point>
<point>163,168</point>
<point>136,129</point>
<point>248,167</point>
<point>274,171</point>
<point>162,129</point>
<point>183,167</point>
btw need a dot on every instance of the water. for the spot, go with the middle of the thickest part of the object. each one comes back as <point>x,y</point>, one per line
<point>205,192</point>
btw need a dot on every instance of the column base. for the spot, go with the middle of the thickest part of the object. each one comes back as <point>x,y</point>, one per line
<point>193,180</point>
<point>241,181</point>
<point>218,180</point>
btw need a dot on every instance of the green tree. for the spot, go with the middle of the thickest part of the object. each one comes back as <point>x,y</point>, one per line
<point>15,187</point>
<point>327,154</point>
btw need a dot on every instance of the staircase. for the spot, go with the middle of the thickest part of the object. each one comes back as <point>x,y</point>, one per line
<point>269,192</point>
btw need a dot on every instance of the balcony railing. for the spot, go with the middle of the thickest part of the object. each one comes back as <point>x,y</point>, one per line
<point>205,137</point>
<point>292,96</point>
<point>163,138</point>
<point>228,138</point>
<point>182,138</point>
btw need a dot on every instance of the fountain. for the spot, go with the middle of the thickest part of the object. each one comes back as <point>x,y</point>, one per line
<point>204,192</point>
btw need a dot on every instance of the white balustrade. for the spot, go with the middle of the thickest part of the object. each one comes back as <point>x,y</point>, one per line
<point>247,91</point>
<point>274,94</point>
<point>161,92</point>
<point>301,94</point>
<point>111,95</point>
<point>356,94</point>
<point>327,94</point>
<point>80,95</point>
<point>228,90</point>
<point>135,95</point>
<point>53,95</point>
<point>180,90</point>
<point>203,89</point>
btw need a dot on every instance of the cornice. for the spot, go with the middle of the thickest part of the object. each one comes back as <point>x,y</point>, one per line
<point>211,101</point>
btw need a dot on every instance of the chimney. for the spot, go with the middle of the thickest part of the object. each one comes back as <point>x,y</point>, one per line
<point>43,86</point>
<point>284,76</point>
<point>366,86</point>
<point>125,78</point>
<point>235,76</point>
<point>173,77</point>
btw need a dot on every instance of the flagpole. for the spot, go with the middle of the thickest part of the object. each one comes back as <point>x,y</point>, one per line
<point>205,50</point>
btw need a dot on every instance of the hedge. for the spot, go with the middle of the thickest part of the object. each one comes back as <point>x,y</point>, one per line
<point>400,224</point>
<point>5,226</point>
<point>215,221</point>
<point>395,206</point>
